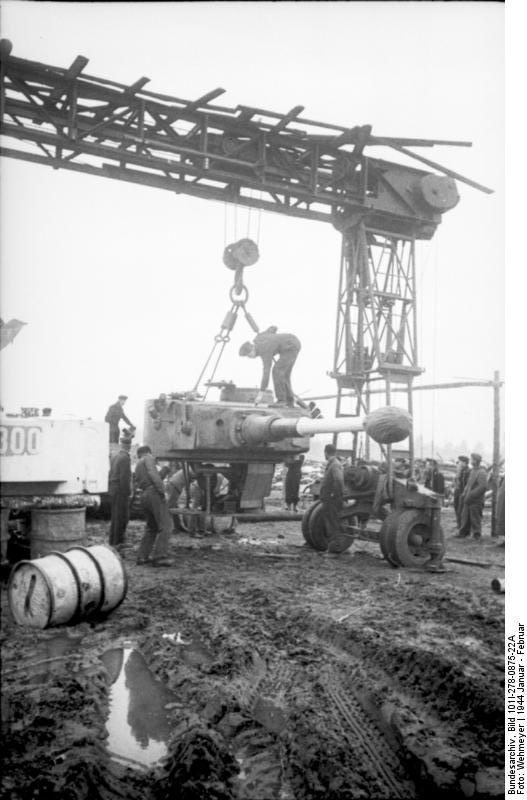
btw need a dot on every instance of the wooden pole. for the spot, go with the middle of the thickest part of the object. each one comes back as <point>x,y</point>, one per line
<point>495,454</point>
<point>367,442</point>
<point>411,445</point>
<point>451,385</point>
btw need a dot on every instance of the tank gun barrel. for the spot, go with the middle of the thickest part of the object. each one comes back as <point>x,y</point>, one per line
<point>385,425</point>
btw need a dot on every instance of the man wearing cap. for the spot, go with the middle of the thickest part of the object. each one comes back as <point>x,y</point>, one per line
<point>120,489</point>
<point>154,544</point>
<point>113,416</point>
<point>267,345</point>
<point>473,499</point>
<point>460,482</point>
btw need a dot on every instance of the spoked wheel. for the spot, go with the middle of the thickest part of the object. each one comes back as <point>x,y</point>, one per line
<point>387,537</point>
<point>412,538</point>
<point>305,523</point>
<point>319,536</point>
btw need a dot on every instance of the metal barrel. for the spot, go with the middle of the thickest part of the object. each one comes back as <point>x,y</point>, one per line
<point>385,425</point>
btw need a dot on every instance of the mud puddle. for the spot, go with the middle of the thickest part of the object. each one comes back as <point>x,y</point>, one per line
<point>137,724</point>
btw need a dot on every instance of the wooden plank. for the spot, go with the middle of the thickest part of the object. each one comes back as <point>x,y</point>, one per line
<point>287,119</point>
<point>137,86</point>
<point>193,105</point>
<point>71,73</point>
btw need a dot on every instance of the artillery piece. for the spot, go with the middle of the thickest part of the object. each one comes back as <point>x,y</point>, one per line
<point>243,443</point>
<point>410,534</point>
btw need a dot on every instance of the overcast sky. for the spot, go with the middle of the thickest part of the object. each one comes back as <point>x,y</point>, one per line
<point>123,287</point>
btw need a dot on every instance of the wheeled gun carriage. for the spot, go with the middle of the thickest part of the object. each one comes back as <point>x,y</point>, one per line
<point>235,440</point>
<point>410,534</point>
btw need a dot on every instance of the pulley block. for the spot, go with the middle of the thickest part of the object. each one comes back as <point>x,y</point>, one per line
<point>243,253</point>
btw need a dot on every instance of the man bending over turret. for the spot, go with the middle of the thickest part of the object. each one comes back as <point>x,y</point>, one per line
<point>267,345</point>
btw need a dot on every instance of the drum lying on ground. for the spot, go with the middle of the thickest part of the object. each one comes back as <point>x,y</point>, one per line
<point>67,587</point>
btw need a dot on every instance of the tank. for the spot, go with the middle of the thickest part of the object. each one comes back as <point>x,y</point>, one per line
<point>243,442</point>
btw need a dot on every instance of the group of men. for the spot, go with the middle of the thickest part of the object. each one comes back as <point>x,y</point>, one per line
<point>469,495</point>
<point>278,352</point>
<point>153,548</point>
<point>470,486</point>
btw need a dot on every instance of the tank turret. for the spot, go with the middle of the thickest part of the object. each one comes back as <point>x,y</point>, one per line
<point>179,428</point>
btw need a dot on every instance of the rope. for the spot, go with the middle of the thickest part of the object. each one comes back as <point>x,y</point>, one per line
<point>249,216</point>
<point>259,222</point>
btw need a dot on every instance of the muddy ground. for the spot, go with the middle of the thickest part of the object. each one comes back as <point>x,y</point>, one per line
<point>298,677</point>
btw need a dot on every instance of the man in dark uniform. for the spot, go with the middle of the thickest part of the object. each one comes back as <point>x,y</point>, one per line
<point>473,499</point>
<point>332,497</point>
<point>292,482</point>
<point>460,482</point>
<point>119,487</point>
<point>154,544</point>
<point>500,508</point>
<point>267,345</point>
<point>113,416</point>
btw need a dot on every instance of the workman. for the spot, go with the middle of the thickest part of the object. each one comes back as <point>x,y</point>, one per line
<point>113,416</point>
<point>460,481</point>
<point>120,490</point>
<point>292,482</point>
<point>500,508</point>
<point>473,499</point>
<point>153,548</point>
<point>332,497</point>
<point>267,345</point>
<point>175,485</point>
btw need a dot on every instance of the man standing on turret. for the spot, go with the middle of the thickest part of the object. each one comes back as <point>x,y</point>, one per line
<point>267,345</point>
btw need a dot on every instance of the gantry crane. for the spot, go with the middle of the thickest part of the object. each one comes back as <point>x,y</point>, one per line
<point>286,163</point>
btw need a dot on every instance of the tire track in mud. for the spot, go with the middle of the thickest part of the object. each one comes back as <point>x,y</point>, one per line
<point>263,691</point>
<point>259,748</point>
<point>436,683</point>
<point>445,724</point>
<point>367,739</point>
<point>428,704</point>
